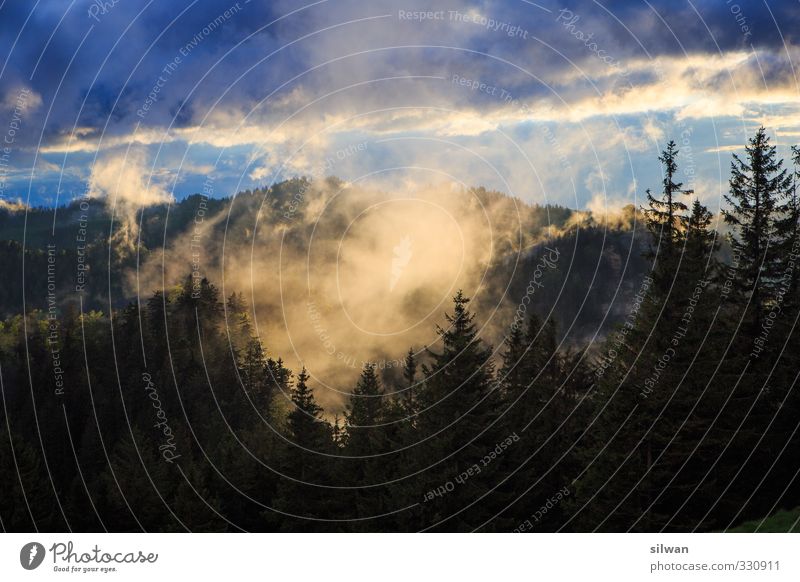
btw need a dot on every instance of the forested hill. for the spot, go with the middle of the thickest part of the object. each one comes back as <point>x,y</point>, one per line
<point>599,266</point>
<point>685,418</point>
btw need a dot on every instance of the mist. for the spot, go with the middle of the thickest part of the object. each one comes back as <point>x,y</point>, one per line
<point>336,274</point>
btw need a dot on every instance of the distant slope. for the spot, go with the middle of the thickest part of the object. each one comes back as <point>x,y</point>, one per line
<point>599,268</point>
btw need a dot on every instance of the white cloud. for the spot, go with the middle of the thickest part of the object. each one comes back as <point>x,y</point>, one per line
<point>126,179</point>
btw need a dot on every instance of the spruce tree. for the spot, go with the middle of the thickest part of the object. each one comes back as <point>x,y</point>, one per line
<point>410,388</point>
<point>366,440</point>
<point>306,470</point>
<point>788,233</point>
<point>514,374</point>
<point>654,432</point>
<point>403,440</point>
<point>535,406</point>
<point>254,375</point>
<point>664,216</point>
<point>460,407</point>
<point>783,441</point>
<point>759,187</point>
<point>306,427</point>
<point>365,411</point>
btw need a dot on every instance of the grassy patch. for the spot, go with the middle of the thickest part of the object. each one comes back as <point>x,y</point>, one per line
<point>784,521</point>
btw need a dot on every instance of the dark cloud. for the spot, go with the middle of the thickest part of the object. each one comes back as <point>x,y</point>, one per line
<point>149,65</point>
<point>106,68</point>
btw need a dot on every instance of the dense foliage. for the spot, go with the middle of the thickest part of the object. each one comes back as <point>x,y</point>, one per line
<point>172,415</point>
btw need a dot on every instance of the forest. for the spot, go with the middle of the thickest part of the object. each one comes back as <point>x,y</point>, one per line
<point>170,413</point>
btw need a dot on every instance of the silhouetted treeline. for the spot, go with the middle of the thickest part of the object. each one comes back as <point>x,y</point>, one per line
<point>171,415</point>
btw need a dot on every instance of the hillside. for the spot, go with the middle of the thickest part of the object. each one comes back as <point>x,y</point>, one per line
<point>599,268</point>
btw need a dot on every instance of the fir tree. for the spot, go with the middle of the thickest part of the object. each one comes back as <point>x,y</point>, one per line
<point>758,187</point>
<point>366,439</point>
<point>460,407</point>
<point>664,214</point>
<point>302,491</point>
<point>307,429</point>
<point>364,413</point>
<point>665,220</point>
<point>788,232</point>
<point>253,372</point>
<point>410,378</point>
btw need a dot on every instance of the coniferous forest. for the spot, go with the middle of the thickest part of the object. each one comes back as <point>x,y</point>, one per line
<point>169,410</point>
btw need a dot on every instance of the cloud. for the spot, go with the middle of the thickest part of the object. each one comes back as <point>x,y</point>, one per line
<point>278,84</point>
<point>20,99</point>
<point>126,179</point>
<point>13,205</point>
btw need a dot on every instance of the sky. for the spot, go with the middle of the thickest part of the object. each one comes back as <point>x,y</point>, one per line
<point>567,103</point>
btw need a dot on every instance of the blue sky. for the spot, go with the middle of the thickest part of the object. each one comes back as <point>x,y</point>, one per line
<point>562,102</point>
